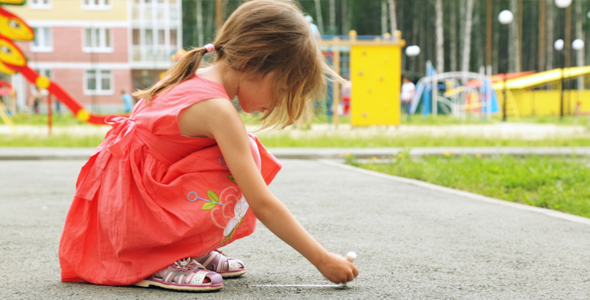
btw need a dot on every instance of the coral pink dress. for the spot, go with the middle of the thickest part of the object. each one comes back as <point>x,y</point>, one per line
<point>149,196</point>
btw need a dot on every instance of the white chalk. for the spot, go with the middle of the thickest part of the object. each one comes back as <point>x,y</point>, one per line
<point>297,285</point>
<point>351,256</point>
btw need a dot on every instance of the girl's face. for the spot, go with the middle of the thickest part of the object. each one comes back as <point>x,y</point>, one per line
<point>255,95</point>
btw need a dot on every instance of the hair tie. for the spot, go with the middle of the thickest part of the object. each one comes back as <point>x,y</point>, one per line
<point>210,48</point>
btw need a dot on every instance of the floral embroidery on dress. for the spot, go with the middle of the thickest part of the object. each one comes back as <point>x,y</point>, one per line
<point>211,202</point>
<point>239,212</point>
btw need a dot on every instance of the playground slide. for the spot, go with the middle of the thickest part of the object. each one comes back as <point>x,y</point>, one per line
<point>63,96</point>
<point>416,98</point>
<point>542,78</point>
<point>13,60</point>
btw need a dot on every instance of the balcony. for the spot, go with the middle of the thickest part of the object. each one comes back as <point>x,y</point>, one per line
<point>152,57</point>
<point>155,12</point>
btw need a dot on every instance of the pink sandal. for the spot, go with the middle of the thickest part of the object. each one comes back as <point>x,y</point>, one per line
<point>184,275</point>
<point>225,266</point>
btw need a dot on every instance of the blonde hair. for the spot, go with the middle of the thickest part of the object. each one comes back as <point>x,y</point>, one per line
<point>260,37</point>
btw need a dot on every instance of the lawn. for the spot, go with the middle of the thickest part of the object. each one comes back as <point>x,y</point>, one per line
<point>379,141</point>
<point>558,183</point>
<point>314,141</point>
<point>307,138</point>
<point>56,140</point>
<point>65,119</point>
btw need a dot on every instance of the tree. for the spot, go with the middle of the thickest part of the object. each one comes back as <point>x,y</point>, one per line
<point>514,45</point>
<point>199,29</point>
<point>453,35</point>
<point>549,44</point>
<point>332,27</point>
<point>579,35</point>
<point>440,55</point>
<point>318,13</point>
<point>541,57</point>
<point>384,11</point>
<point>467,38</point>
<point>392,16</point>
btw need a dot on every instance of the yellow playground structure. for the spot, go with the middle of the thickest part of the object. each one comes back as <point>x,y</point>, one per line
<point>375,72</point>
<point>545,102</point>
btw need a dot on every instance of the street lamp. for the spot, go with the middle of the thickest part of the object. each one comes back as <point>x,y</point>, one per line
<point>505,17</point>
<point>563,3</point>
<point>578,44</point>
<point>411,51</point>
<point>559,45</point>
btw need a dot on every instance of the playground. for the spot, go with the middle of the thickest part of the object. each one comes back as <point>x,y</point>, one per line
<point>372,64</point>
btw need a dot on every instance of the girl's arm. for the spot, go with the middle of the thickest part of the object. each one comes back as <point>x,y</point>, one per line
<point>218,119</point>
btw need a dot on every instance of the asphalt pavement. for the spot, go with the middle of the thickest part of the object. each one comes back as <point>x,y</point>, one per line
<point>413,240</point>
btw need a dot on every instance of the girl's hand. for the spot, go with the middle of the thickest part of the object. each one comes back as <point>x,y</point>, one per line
<point>337,268</point>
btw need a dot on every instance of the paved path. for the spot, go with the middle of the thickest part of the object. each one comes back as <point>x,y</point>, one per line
<point>413,241</point>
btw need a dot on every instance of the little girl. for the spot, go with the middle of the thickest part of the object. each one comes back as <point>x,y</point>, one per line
<point>181,177</point>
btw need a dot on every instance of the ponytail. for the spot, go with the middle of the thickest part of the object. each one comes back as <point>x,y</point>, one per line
<point>185,69</point>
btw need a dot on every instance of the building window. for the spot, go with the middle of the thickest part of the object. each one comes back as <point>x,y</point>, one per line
<point>42,41</point>
<point>96,4</point>
<point>98,82</point>
<point>40,4</point>
<point>97,40</point>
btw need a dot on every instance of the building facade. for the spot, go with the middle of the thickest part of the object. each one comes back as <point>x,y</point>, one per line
<point>95,49</point>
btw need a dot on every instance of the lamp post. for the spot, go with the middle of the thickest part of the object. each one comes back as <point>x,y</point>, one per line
<point>563,3</point>
<point>578,45</point>
<point>505,17</point>
<point>412,51</point>
<point>559,45</point>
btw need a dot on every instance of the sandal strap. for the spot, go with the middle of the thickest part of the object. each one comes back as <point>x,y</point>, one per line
<point>216,262</point>
<point>234,265</point>
<point>185,271</point>
<point>213,255</point>
<point>199,277</point>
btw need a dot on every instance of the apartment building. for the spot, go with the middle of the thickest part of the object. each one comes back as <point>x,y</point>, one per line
<point>95,49</point>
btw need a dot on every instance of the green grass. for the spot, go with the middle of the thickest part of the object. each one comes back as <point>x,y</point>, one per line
<point>450,120</point>
<point>61,140</point>
<point>558,183</point>
<point>253,119</point>
<point>65,119</point>
<point>327,140</point>
<point>315,141</point>
<point>306,138</point>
